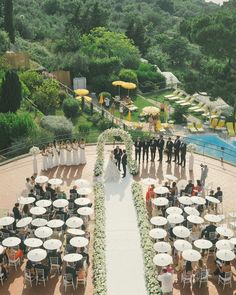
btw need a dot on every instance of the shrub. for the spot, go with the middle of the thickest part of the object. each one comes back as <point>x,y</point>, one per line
<point>95,118</point>
<point>104,124</point>
<point>70,108</point>
<point>84,129</point>
<point>58,125</point>
<point>178,115</point>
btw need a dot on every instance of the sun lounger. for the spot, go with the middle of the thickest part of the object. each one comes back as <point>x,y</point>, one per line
<point>221,125</point>
<point>214,123</point>
<point>200,110</point>
<point>199,127</point>
<point>175,93</point>
<point>230,128</point>
<point>183,99</point>
<point>191,128</point>
<point>188,103</point>
<point>200,105</point>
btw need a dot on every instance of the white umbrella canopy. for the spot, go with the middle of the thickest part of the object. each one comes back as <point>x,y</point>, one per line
<point>162,247</point>
<point>85,211</point>
<point>60,203</point>
<point>52,244</point>
<point>174,210</point>
<point>55,181</point>
<point>55,223</point>
<point>175,218</point>
<point>170,177</point>
<point>82,183</point>
<point>37,255</point>
<point>82,201</point>
<point>185,200</point>
<point>195,219</point>
<point>212,200</point>
<point>11,242</point>
<point>149,181</point>
<point>23,222</point>
<point>84,191</point>
<point>225,255</point>
<point>224,245</point>
<point>158,220</point>
<point>198,200</point>
<point>72,257</point>
<point>233,241</point>
<point>232,214</point>
<point>191,211</point>
<point>202,244</point>
<point>191,255</point>
<point>213,218</point>
<point>224,231</point>
<point>75,231</point>
<point>6,220</point>
<point>43,232</point>
<point>41,179</point>
<point>79,242</point>
<point>38,211</point>
<point>181,184</point>
<point>44,203</point>
<point>160,201</point>
<point>162,259</point>
<point>181,231</point>
<point>26,200</point>
<point>33,242</point>
<point>162,190</point>
<point>158,233</point>
<point>182,245</point>
<point>38,222</point>
<point>74,222</point>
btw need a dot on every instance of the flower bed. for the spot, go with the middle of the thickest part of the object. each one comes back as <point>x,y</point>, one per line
<point>99,259</point>
<point>152,284</point>
<point>128,142</point>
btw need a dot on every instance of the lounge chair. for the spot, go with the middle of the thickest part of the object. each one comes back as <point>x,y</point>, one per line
<point>175,93</point>
<point>173,98</point>
<point>230,128</point>
<point>199,127</point>
<point>182,100</point>
<point>191,128</point>
<point>221,125</point>
<point>200,105</point>
<point>189,102</point>
<point>201,109</point>
<point>214,123</point>
<point>159,127</point>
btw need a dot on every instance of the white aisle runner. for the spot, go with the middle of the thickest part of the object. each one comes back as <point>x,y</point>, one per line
<point>124,256</point>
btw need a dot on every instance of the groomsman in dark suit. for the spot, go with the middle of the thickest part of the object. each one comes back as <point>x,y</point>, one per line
<point>124,162</point>
<point>183,150</point>
<point>176,149</point>
<point>153,148</point>
<point>138,148</point>
<point>169,148</point>
<point>160,146</point>
<point>117,156</point>
<point>145,149</point>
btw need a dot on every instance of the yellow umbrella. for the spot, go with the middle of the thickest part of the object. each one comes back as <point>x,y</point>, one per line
<point>151,111</point>
<point>117,83</point>
<point>128,86</point>
<point>129,116</point>
<point>101,100</point>
<point>86,98</point>
<point>81,92</point>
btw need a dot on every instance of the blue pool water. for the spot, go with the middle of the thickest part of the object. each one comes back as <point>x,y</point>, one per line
<point>214,146</point>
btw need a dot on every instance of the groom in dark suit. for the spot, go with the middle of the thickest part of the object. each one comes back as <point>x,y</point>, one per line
<point>117,156</point>
<point>124,162</point>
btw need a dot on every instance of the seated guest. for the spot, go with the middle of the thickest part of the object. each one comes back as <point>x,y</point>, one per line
<point>84,254</point>
<point>222,268</point>
<point>195,232</point>
<point>201,267</point>
<point>188,269</point>
<point>60,214</point>
<point>6,231</point>
<point>211,228</point>
<point>219,194</point>
<point>166,184</point>
<point>30,267</point>
<point>51,191</point>
<point>72,271</point>
<point>60,194</point>
<point>188,189</point>
<point>16,211</point>
<point>43,267</point>
<point>3,271</point>
<point>69,249</point>
<point>25,210</point>
<point>55,254</point>
<point>73,192</point>
<point>32,194</point>
<point>39,189</point>
<point>197,189</point>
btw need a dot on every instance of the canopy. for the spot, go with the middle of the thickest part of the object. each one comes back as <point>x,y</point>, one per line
<point>86,98</point>
<point>162,259</point>
<point>128,85</point>
<point>117,83</point>
<point>151,111</point>
<point>81,91</point>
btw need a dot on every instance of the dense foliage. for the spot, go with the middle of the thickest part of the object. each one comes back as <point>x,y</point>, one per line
<point>58,125</point>
<point>70,108</point>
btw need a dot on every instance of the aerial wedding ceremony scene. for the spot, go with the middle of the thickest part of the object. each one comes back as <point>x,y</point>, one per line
<point>117,147</point>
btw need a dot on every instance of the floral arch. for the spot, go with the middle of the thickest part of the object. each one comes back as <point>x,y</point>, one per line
<point>128,142</point>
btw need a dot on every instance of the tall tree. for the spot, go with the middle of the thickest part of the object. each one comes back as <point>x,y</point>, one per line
<point>8,19</point>
<point>10,93</point>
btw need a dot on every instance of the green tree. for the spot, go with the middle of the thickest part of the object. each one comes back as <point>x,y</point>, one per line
<point>31,79</point>
<point>177,49</point>
<point>136,32</point>
<point>128,76</point>
<point>4,42</point>
<point>8,19</point>
<point>11,93</point>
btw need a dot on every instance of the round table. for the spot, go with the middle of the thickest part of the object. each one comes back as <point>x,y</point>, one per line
<point>6,220</point>
<point>55,181</point>
<point>233,241</point>
<point>26,200</point>
<point>185,200</point>
<point>170,177</point>
<point>55,223</point>
<point>158,220</point>
<point>44,203</point>
<point>175,218</point>
<point>60,203</point>
<point>38,211</point>
<point>37,255</point>
<point>24,222</point>
<point>149,181</point>
<point>195,219</point>
<point>11,242</point>
<point>52,244</point>
<point>162,247</point>
<point>162,190</point>
<point>82,201</point>
<point>85,211</point>
<point>38,222</point>
<point>160,201</point>
<point>41,179</point>
<point>198,200</point>
<point>79,242</point>
<point>212,200</point>
<point>75,231</point>
<point>225,255</point>
<point>162,259</point>
<point>202,244</point>
<point>43,232</point>
<point>191,211</point>
<point>213,218</point>
<point>182,245</point>
<point>158,233</point>
<point>82,183</point>
<point>74,222</point>
<point>84,191</point>
<point>73,257</point>
<point>224,231</point>
<point>174,210</point>
<point>224,245</point>
<point>33,242</point>
<point>191,255</point>
<point>181,231</point>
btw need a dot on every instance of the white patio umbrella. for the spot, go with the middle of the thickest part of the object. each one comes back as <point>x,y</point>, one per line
<point>75,231</point>
<point>11,242</point>
<point>175,218</point>
<point>79,242</point>
<point>55,223</point>
<point>38,211</point>
<point>212,200</point>
<point>162,259</point>
<point>37,255</point>
<point>232,214</point>
<point>6,220</point>
<point>82,183</point>
<point>38,222</point>
<point>162,247</point>
<point>74,222</point>
<point>195,219</point>
<point>224,245</point>
<point>55,181</point>
<point>44,203</point>
<point>191,211</point>
<point>225,255</point>
<point>41,179</point>
<point>60,203</point>
<point>198,200</point>
<point>26,200</point>
<point>161,190</point>
<point>181,231</point>
<point>191,255</point>
<point>52,244</point>
<point>84,191</point>
<point>23,222</point>
<point>181,184</point>
<point>158,233</point>
<point>213,218</point>
<point>85,211</point>
<point>72,257</point>
<point>33,242</point>
<point>149,181</point>
<point>82,201</point>
<point>174,210</point>
<point>43,232</point>
<point>160,201</point>
<point>170,177</point>
<point>182,245</point>
<point>158,220</point>
<point>233,241</point>
<point>185,200</point>
<point>224,231</point>
<point>202,244</point>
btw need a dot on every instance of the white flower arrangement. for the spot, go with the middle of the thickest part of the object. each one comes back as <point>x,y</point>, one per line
<point>34,150</point>
<point>99,259</point>
<point>152,283</point>
<point>128,142</point>
<point>191,147</point>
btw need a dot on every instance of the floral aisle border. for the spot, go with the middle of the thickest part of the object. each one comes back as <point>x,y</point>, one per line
<point>152,283</point>
<point>127,139</point>
<point>99,259</point>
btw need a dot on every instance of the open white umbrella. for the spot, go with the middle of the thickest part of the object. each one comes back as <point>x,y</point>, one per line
<point>181,231</point>
<point>79,242</point>
<point>38,211</point>
<point>202,244</point>
<point>233,241</point>
<point>52,244</point>
<point>38,222</point>
<point>195,219</point>
<point>149,181</point>
<point>161,190</point>
<point>24,222</point>
<point>224,231</point>
<point>37,255</point>
<point>82,183</point>
<point>44,203</point>
<point>26,200</point>
<point>162,247</point>
<point>212,200</point>
<point>75,231</point>
<point>158,220</point>
<point>55,181</point>
<point>82,201</point>
<point>60,203</point>
<point>232,214</point>
<point>170,177</point>
<point>43,232</point>
<point>72,257</point>
<point>84,191</point>
<point>198,200</point>
<point>191,255</point>
<point>162,259</point>
<point>224,245</point>
<point>6,220</point>
<point>158,233</point>
<point>41,179</point>
<point>213,218</point>
<point>225,255</point>
<point>175,218</point>
<point>55,223</point>
<point>174,210</point>
<point>85,211</point>
<point>182,245</point>
<point>33,242</point>
<point>74,222</point>
<point>181,184</point>
<point>191,211</point>
<point>160,201</point>
<point>11,242</point>
<point>185,200</point>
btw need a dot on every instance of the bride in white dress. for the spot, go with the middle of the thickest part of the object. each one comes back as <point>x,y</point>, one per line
<point>112,174</point>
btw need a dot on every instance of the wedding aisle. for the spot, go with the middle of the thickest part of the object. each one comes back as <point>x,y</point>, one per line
<point>124,258</point>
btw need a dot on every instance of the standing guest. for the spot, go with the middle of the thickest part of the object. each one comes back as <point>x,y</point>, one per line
<point>121,110</point>
<point>150,123</point>
<point>28,184</point>
<point>25,210</point>
<point>50,156</point>
<point>183,150</point>
<point>62,153</point>
<point>169,148</point>
<point>82,152</point>
<point>188,188</point>
<point>166,279</point>
<point>138,148</point>
<point>149,196</point>
<point>107,102</point>
<point>113,108</point>
<point>176,149</point>
<point>117,156</point>
<point>73,192</point>
<point>39,189</point>
<point>160,146</point>
<point>45,159</point>
<point>16,211</point>
<point>75,154</point>
<point>219,194</point>
<point>153,148</point>
<point>145,149</point>
<point>204,173</point>
<point>51,191</point>
<point>68,153</point>
<point>197,189</point>
<point>124,162</point>
<point>55,150</point>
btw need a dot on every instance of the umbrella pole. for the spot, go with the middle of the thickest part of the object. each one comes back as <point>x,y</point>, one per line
<point>119,90</point>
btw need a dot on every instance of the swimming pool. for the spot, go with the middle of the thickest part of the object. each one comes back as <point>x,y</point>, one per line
<point>214,146</point>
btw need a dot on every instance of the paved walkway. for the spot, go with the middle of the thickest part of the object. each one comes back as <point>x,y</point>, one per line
<point>124,257</point>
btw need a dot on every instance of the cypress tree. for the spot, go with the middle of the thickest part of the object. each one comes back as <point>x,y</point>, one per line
<point>8,19</point>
